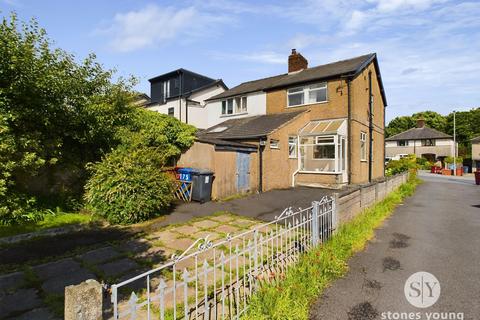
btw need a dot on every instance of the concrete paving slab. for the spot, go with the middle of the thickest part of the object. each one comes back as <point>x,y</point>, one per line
<point>37,314</point>
<point>56,285</point>
<point>21,300</point>
<point>100,255</point>
<point>227,229</point>
<point>116,268</point>
<point>11,282</point>
<point>54,269</point>
<point>185,230</point>
<point>224,218</point>
<point>206,224</point>
<point>181,244</point>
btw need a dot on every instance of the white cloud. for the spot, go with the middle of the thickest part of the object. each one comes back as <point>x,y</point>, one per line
<point>268,57</point>
<point>155,25</point>
<point>394,5</point>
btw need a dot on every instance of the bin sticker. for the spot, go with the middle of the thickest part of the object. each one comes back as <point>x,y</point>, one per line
<point>207,179</point>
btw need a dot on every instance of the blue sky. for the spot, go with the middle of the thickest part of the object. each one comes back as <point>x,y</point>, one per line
<point>429,50</point>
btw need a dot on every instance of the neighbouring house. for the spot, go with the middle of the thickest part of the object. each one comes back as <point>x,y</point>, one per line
<point>182,94</point>
<point>476,153</point>
<point>141,100</point>
<point>318,126</point>
<point>422,141</point>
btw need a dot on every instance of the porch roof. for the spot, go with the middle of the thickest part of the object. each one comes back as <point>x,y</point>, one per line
<point>320,127</point>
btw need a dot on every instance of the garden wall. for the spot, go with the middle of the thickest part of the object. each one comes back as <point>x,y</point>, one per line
<point>355,200</point>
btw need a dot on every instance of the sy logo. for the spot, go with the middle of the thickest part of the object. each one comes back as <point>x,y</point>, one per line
<point>422,289</point>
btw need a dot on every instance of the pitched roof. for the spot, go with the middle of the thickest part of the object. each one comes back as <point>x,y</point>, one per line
<point>349,67</point>
<point>179,70</point>
<point>476,139</point>
<point>418,134</point>
<point>248,127</point>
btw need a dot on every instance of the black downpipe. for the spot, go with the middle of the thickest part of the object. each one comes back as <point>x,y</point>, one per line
<point>370,127</point>
<point>260,165</point>
<point>349,132</point>
<point>180,94</point>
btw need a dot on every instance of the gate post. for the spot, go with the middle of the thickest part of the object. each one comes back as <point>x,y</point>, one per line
<point>315,235</point>
<point>84,301</point>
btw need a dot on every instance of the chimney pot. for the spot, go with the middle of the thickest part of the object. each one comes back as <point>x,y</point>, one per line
<point>420,123</point>
<point>296,62</point>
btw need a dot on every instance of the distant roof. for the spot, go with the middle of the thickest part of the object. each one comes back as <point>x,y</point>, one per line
<point>248,127</point>
<point>419,134</point>
<point>349,67</point>
<point>179,70</point>
<point>476,139</point>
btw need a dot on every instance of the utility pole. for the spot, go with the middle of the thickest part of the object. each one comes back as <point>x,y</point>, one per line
<point>454,146</point>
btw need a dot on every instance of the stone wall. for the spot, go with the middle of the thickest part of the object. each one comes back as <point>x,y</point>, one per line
<point>355,200</point>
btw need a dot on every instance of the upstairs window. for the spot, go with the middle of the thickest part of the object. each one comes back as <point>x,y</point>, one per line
<point>234,106</point>
<point>428,142</point>
<point>171,111</point>
<point>166,89</point>
<point>315,93</point>
<point>402,143</point>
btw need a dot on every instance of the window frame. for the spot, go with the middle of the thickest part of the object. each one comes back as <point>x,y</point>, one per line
<point>336,143</point>
<point>274,144</point>
<point>305,90</point>
<point>432,142</point>
<point>405,143</point>
<point>363,146</point>
<point>239,106</point>
<point>293,142</point>
<point>173,111</point>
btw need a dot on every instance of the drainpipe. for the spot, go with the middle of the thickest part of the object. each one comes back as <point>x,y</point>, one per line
<point>349,131</point>
<point>186,110</point>
<point>370,127</point>
<point>180,74</point>
<point>261,146</point>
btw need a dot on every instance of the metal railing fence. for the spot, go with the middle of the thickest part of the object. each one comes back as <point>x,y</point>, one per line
<point>216,280</point>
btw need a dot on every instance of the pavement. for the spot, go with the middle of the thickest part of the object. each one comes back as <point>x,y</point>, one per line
<point>437,230</point>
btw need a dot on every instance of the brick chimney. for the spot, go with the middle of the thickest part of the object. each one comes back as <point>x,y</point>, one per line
<point>420,123</point>
<point>296,62</point>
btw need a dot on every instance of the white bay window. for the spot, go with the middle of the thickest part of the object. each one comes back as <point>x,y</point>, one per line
<point>322,147</point>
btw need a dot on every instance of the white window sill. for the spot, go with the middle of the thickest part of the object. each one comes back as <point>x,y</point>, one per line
<point>320,172</point>
<point>363,160</point>
<point>307,104</point>
<point>233,115</point>
<point>275,148</point>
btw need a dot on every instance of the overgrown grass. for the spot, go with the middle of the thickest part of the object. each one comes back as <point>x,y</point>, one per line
<point>51,221</point>
<point>291,297</point>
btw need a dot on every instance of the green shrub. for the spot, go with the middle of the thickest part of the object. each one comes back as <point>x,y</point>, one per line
<point>449,160</point>
<point>424,164</point>
<point>398,166</point>
<point>128,186</point>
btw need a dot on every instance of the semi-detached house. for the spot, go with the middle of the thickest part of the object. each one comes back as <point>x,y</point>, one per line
<point>318,126</point>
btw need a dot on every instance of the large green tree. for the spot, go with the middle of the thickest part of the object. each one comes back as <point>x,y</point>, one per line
<point>56,114</point>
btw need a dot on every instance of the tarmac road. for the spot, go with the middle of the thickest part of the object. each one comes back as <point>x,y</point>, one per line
<point>437,230</point>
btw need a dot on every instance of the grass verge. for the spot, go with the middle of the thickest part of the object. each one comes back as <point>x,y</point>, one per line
<point>291,298</point>
<point>50,221</point>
